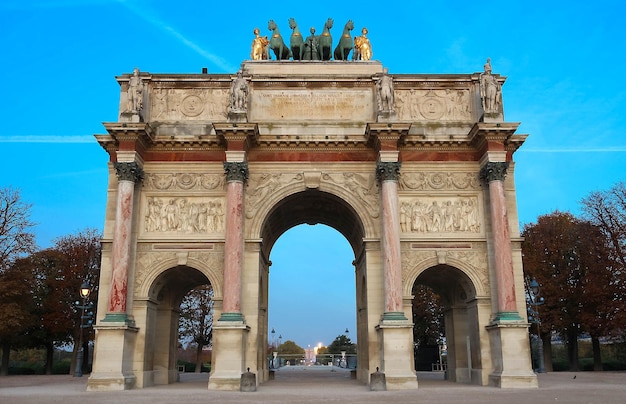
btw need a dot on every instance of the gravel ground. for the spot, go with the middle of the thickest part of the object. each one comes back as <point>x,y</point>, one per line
<point>318,384</point>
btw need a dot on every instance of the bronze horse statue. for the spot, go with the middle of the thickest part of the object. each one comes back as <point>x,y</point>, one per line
<point>325,41</point>
<point>296,43</point>
<point>345,42</point>
<point>277,44</point>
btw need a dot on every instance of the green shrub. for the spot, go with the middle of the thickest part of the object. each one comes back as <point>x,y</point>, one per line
<point>61,367</point>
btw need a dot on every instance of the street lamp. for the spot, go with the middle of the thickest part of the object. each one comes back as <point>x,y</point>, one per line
<point>85,291</point>
<point>534,300</point>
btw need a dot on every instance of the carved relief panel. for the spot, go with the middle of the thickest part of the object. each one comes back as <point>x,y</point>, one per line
<point>180,204</point>
<point>169,104</point>
<point>440,215</point>
<point>431,105</point>
<point>451,213</point>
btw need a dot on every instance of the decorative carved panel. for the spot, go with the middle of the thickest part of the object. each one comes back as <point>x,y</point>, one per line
<point>440,215</point>
<point>410,181</point>
<point>170,104</point>
<point>184,181</point>
<point>183,215</point>
<point>431,105</point>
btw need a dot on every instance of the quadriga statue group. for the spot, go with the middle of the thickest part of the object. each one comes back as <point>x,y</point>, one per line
<point>314,47</point>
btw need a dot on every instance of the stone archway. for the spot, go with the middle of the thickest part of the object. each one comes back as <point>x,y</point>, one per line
<point>312,207</point>
<point>464,317</point>
<point>161,323</point>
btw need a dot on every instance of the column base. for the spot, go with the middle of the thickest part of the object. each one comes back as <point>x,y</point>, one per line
<point>510,355</point>
<point>229,344</point>
<point>113,358</point>
<point>396,339</point>
<point>507,316</point>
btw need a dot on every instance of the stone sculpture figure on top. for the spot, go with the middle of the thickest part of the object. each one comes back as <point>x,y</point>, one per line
<point>260,50</point>
<point>134,102</point>
<point>362,47</point>
<point>239,94</point>
<point>385,92</point>
<point>490,90</point>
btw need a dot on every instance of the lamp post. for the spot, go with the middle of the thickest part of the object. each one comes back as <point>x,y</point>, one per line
<point>534,301</point>
<point>85,291</point>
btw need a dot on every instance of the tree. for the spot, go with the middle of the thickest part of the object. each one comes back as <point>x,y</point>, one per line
<point>607,210</point>
<point>16,240</point>
<point>291,349</point>
<point>342,343</point>
<point>196,320</point>
<point>569,259</point>
<point>428,316</point>
<point>16,309</point>
<point>56,275</point>
<point>81,256</point>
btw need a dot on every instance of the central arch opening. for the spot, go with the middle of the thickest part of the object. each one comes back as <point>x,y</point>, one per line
<point>313,239</point>
<point>312,290</point>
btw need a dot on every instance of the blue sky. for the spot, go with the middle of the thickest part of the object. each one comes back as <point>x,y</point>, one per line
<point>563,60</point>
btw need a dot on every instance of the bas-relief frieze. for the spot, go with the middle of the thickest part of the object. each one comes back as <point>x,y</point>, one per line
<point>411,181</point>
<point>451,214</point>
<point>361,186</point>
<point>184,181</point>
<point>430,105</point>
<point>184,215</point>
<point>170,104</point>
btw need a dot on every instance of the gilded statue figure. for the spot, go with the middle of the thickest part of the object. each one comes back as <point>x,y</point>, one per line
<point>259,46</point>
<point>362,47</point>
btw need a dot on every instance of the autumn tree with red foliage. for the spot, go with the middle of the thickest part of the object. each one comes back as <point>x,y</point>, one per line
<point>569,258</point>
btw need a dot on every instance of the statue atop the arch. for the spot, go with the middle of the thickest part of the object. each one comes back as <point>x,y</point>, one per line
<point>310,47</point>
<point>384,93</point>
<point>362,47</point>
<point>239,94</point>
<point>259,46</point>
<point>490,90</point>
<point>134,102</point>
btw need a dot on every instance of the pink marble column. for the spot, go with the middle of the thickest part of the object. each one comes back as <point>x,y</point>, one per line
<point>236,175</point>
<point>494,173</point>
<point>388,173</point>
<point>128,174</point>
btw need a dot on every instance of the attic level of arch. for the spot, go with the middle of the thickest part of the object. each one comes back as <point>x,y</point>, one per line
<point>318,111</point>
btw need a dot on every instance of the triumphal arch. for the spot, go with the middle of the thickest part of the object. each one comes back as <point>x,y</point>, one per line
<point>208,170</point>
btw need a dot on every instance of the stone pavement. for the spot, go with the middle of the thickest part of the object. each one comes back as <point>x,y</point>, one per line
<point>317,384</point>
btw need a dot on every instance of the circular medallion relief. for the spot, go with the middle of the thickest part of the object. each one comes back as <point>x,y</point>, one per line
<point>192,105</point>
<point>432,108</point>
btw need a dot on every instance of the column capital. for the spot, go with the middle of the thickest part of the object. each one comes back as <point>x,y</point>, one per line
<point>236,171</point>
<point>386,136</point>
<point>493,171</point>
<point>130,171</point>
<point>388,171</point>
